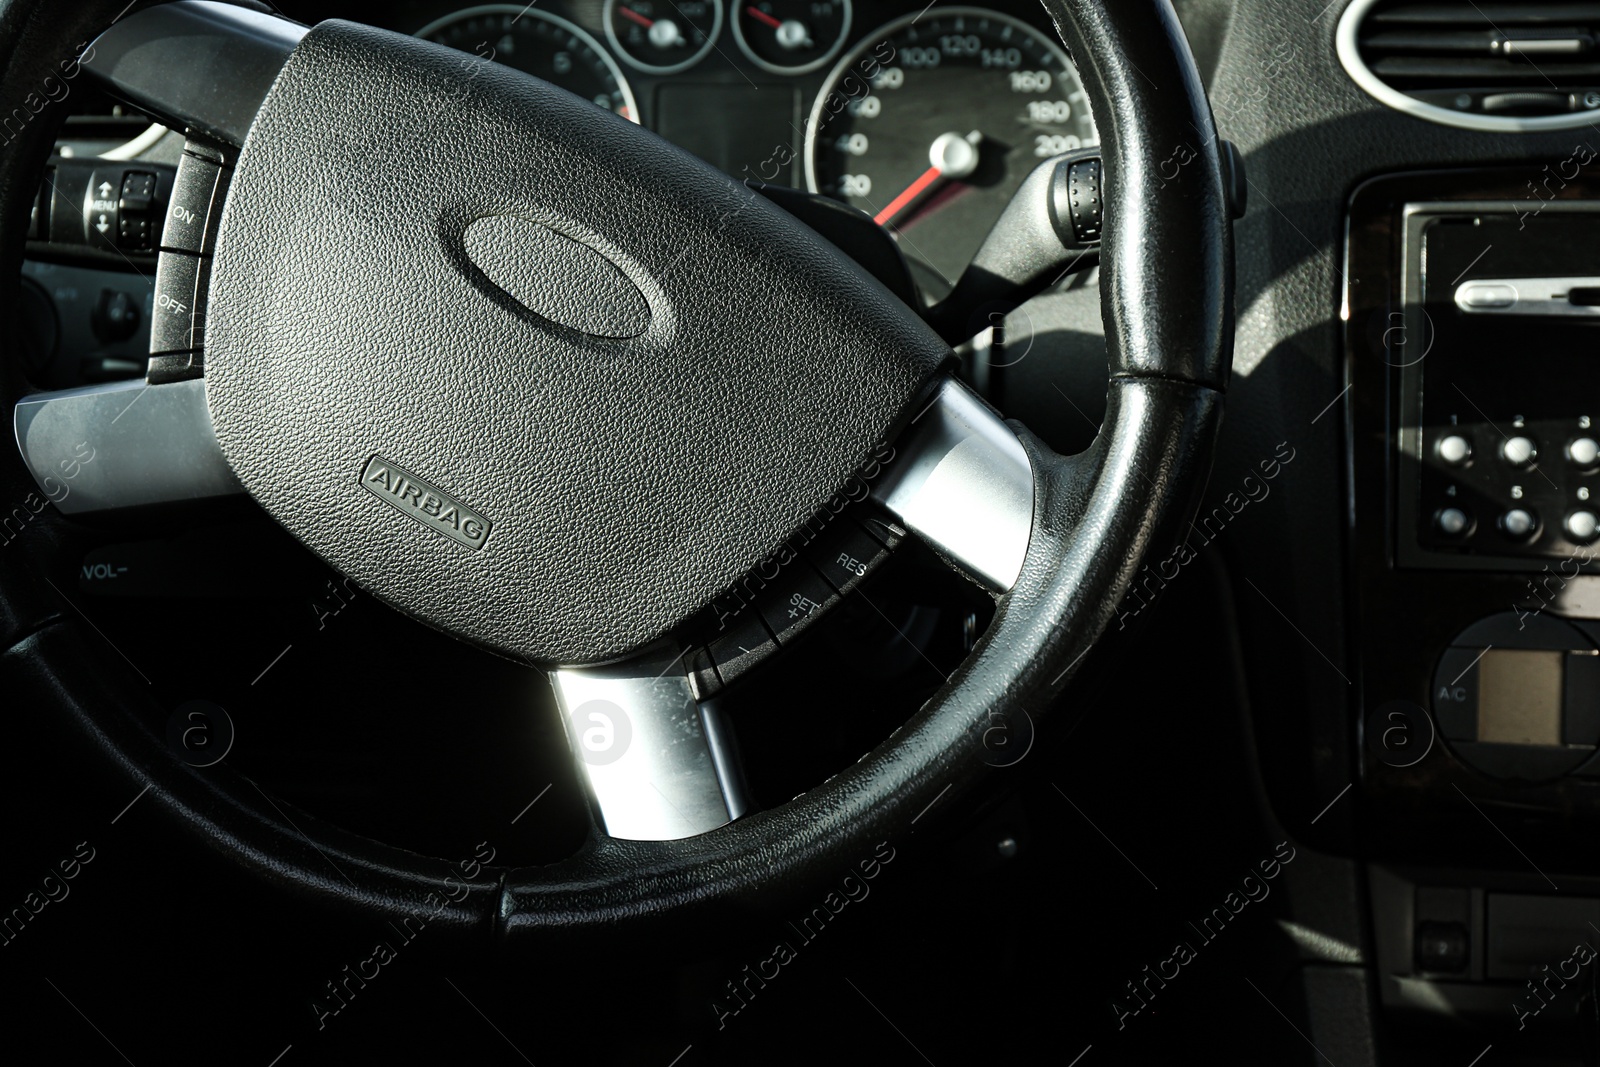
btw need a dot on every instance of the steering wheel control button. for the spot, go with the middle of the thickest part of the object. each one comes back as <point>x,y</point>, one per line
<point>174,318</point>
<point>1399,733</point>
<point>100,209</point>
<point>1519,451</point>
<point>844,554</point>
<point>1519,524</point>
<point>135,211</point>
<point>1452,522</point>
<point>188,227</point>
<point>1581,526</point>
<point>1455,450</point>
<point>138,191</point>
<point>1583,452</point>
<point>796,597</point>
<point>745,644</point>
<point>133,234</point>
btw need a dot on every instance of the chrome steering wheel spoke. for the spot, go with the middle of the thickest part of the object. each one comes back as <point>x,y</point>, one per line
<point>962,482</point>
<point>122,444</point>
<point>658,765</point>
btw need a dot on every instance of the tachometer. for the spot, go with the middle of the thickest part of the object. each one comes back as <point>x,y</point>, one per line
<point>544,45</point>
<point>931,124</point>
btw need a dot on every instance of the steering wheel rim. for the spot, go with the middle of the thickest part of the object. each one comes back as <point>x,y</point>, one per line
<point>1167,303</point>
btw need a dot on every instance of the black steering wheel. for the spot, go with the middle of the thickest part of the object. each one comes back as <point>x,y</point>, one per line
<point>476,343</point>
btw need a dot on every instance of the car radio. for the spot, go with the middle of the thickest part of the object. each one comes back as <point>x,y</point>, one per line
<point>1499,357</point>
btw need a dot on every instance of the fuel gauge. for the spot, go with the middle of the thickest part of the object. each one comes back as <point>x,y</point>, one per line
<point>791,36</point>
<point>663,36</point>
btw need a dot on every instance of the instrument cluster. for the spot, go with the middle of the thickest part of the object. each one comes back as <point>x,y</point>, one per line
<point>927,118</point>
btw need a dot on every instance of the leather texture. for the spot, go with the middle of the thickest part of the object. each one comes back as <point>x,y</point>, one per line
<point>628,480</point>
<point>1096,515</point>
<point>1167,232</point>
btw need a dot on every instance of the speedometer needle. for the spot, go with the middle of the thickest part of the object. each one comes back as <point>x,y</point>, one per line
<point>951,156</point>
<point>629,13</point>
<point>910,193</point>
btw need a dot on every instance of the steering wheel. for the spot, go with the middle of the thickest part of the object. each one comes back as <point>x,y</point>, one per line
<point>476,343</point>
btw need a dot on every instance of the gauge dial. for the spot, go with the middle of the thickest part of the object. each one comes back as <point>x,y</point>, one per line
<point>931,124</point>
<point>663,36</point>
<point>540,44</point>
<point>791,36</point>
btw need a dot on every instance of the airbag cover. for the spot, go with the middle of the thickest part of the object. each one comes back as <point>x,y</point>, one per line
<point>558,473</point>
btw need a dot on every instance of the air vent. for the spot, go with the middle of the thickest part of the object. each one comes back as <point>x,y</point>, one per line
<point>1508,66</point>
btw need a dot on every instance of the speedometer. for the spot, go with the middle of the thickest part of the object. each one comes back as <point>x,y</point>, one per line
<point>931,123</point>
<point>544,45</point>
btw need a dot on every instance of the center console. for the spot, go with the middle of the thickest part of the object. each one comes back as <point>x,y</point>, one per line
<point>1472,343</point>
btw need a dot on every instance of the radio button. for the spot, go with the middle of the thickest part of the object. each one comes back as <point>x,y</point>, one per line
<point>1519,451</point>
<point>1581,526</point>
<point>1452,522</point>
<point>1583,452</point>
<point>1455,449</point>
<point>1519,523</point>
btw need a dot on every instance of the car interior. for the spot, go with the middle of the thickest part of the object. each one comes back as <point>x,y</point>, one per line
<point>801,531</point>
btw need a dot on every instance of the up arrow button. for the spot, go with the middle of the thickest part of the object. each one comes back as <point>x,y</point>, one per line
<point>100,210</point>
